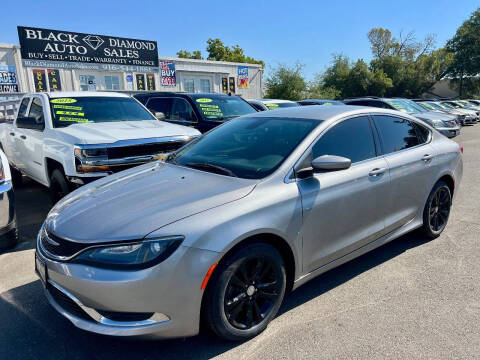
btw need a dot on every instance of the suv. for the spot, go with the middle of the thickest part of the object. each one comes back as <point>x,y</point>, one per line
<point>201,111</point>
<point>444,123</point>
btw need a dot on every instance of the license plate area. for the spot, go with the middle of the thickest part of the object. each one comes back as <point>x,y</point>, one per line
<point>41,270</point>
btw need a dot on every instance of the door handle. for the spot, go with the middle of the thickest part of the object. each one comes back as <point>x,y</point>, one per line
<point>23,137</point>
<point>12,134</point>
<point>377,172</point>
<point>427,157</point>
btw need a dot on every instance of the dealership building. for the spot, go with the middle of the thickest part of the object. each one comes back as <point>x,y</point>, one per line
<point>52,60</point>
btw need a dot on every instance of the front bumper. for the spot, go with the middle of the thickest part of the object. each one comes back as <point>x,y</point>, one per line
<point>449,132</point>
<point>168,292</point>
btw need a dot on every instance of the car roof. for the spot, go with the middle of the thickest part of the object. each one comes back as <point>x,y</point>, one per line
<point>276,101</point>
<point>325,113</point>
<point>66,94</point>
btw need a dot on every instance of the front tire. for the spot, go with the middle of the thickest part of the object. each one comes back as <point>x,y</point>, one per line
<point>437,210</point>
<point>246,292</point>
<point>58,185</point>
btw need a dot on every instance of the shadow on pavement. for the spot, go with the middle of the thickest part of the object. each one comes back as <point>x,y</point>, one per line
<point>30,328</point>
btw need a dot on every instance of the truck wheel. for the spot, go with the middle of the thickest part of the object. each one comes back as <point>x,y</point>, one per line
<point>16,177</point>
<point>58,185</point>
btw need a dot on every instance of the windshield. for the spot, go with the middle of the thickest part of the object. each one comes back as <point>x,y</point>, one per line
<point>220,108</point>
<point>273,106</point>
<point>474,102</point>
<point>403,106</point>
<point>434,106</point>
<point>96,109</point>
<point>415,105</point>
<point>426,106</point>
<point>249,148</point>
<point>452,104</point>
<point>445,106</point>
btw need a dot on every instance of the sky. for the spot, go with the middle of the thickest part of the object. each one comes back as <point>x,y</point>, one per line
<point>278,32</point>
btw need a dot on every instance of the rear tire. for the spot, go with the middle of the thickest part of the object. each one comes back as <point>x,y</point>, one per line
<point>17,177</point>
<point>437,210</point>
<point>58,185</point>
<point>246,292</point>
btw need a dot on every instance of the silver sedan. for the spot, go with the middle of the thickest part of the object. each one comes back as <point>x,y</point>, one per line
<point>222,229</point>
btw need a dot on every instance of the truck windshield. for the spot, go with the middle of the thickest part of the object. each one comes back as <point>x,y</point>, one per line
<point>221,108</point>
<point>96,109</point>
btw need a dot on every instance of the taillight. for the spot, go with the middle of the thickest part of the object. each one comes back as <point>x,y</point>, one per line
<point>461,148</point>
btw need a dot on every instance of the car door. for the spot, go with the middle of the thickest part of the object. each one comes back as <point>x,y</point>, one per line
<point>31,141</point>
<point>343,210</point>
<point>406,148</point>
<point>12,140</point>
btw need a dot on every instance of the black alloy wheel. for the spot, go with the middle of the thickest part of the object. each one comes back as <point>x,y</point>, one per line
<point>245,292</point>
<point>251,293</point>
<point>437,210</point>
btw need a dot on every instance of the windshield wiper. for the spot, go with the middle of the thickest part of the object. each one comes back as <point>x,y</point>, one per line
<point>211,167</point>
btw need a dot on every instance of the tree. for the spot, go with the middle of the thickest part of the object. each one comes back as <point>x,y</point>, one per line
<point>217,51</point>
<point>196,54</point>
<point>465,47</point>
<point>286,83</point>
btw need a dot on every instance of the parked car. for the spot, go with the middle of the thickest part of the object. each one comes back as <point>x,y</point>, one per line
<point>66,139</point>
<point>461,118</point>
<point>258,105</point>
<point>230,222</point>
<point>8,223</point>
<point>201,111</point>
<point>319,102</point>
<point>459,105</point>
<point>442,122</point>
<point>274,104</point>
<point>474,102</point>
<point>470,115</point>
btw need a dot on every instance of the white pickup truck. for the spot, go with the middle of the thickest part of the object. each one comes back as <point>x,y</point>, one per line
<point>65,139</point>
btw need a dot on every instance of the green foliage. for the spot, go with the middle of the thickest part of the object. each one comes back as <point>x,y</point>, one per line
<point>196,54</point>
<point>465,48</point>
<point>286,83</point>
<point>219,52</point>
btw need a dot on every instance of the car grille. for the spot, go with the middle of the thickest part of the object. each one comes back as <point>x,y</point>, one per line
<point>58,246</point>
<point>66,303</point>
<point>143,149</point>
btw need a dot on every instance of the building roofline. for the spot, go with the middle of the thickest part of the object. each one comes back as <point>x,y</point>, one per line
<point>165,58</point>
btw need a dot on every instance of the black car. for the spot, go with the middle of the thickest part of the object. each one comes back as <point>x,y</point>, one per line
<point>307,102</point>
<point>202,111</point>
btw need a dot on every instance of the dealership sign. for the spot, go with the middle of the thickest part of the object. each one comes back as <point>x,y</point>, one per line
<point>167,73</point>
<point>8,79</point>
<point>86,51</point>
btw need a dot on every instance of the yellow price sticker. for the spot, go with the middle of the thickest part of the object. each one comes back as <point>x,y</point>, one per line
<point>63,101</point>
<point>204,100</point>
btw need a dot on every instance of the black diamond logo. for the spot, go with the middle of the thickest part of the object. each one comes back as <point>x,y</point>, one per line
<point>93,41</point>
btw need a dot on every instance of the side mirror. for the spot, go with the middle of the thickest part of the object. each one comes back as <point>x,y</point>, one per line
<point>330,163</point>
<point>29,123</point>
<point>160,116</point>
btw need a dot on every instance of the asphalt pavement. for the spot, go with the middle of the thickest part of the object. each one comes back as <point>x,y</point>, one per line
<point>411,298</point>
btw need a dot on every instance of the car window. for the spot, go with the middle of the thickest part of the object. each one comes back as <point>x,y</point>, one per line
<point>422,132</point>
<point>378,104</point>
<point>163,104</point>
<point>36,111</point>
<point>396,133</point>
<point>22,111</point>
<point>352,138</point>
<point>359,102</point>
<point>182,110</point>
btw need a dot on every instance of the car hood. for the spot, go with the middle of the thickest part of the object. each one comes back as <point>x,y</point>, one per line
<point>110,132</point>
<point>133,203</point>
<point>430,116</point>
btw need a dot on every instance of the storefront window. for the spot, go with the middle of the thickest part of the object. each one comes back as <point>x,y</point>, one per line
<point>87,83</point>
<point>112,82</point>
<point>189,85</point>
<point>205,85</point>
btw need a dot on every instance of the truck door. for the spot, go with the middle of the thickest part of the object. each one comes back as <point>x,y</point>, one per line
<point>30,143</point>
<point>12,137</point>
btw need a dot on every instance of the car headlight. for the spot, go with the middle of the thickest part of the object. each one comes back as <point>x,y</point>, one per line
<point>91,159</point>
<point>130,256</point>
<point>438,123</point>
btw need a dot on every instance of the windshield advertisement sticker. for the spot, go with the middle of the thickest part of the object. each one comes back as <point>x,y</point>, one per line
<point>63,101</point>
<point>204,100</point>
<point>243,81</point>
<point>211,110</point>
<point>167,73</point>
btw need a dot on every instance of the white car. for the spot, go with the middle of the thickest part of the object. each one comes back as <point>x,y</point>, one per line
<point>64,139</point>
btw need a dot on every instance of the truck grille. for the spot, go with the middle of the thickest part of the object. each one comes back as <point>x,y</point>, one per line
<point>143,149</point>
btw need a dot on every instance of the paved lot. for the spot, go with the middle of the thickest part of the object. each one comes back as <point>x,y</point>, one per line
<point>408,299</point>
